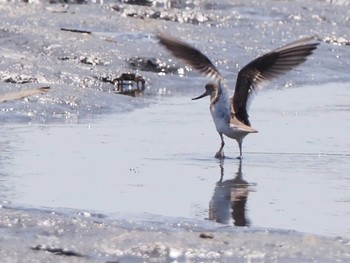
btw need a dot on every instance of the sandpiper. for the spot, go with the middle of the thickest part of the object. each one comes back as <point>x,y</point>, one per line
<point>230,115</point>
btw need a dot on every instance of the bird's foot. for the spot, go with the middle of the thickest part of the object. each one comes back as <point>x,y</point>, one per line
<point>219,155</point>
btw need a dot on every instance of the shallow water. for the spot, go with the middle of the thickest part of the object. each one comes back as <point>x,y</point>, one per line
<point>295,170</point>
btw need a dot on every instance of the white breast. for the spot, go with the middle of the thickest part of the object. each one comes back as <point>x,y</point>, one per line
<point>220,110</point>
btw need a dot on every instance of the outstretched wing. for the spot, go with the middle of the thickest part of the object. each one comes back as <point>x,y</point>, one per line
<point>189,55</point>
<point>268,67</point>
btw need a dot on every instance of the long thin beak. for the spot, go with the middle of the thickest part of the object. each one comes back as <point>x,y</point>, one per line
<point>201,96</point>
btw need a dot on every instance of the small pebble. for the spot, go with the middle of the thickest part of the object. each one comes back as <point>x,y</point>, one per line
<point>206,235</point>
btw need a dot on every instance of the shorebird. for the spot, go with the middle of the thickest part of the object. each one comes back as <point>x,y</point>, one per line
<point>230,115</point>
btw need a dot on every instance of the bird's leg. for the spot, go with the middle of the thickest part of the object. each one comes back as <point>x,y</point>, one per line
<point>240,149</point>
<point>219,154</point>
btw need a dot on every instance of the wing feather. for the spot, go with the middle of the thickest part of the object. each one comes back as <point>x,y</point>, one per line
<point>266,68</point>
<point>191,56</point>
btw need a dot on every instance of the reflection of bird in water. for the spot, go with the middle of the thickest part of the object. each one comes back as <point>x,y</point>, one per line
<point>229,199</point>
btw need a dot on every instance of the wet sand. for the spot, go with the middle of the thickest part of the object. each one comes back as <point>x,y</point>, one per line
<point>48,236</point>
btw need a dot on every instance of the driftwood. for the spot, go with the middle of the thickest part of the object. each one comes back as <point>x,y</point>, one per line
<point>23,93</point>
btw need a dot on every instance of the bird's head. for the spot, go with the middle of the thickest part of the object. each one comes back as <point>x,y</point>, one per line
<point>210,90</point>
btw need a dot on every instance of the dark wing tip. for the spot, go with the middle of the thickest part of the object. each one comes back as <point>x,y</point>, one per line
<point>267,67</point>
<point>190,55</point>
<point>279,61</point>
